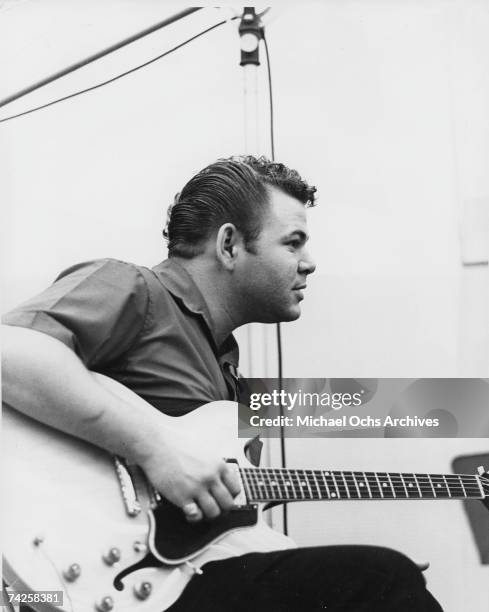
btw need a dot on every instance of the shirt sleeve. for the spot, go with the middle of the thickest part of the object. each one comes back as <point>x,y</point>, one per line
<point>96,308</point>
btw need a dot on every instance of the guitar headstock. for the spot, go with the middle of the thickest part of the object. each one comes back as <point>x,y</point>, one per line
<point>483,476</point>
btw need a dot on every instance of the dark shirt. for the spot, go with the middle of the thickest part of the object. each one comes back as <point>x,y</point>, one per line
<point>149,329</point>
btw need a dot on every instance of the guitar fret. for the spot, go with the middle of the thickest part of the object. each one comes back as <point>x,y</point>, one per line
<point>343,491</point>
<point>446,484</point>
<point>290,483</point>
<point>269,479</point>
<point>308,484</point>
<point>365,479</point>
<point>351,485</point>
<point>273,484</point>
<point>302,484</point>
<point>374,487</point>
<point>430,483</point>
<point>346,485</point>
<point>357,488</point>
<point>320,495</point>
<point>462,483</point>
<point>252,475</point>
<point>331,485</point>
<point>264,485</point>
<point>378,482</point>
<point>298,486</point>
<point>417,484</point>
<point>281,480</point>
<point>283,488</point>
<point>454,486</point>
<point>439,486</point>
<point>413,490</point>
<point>401,476</point>
<point>246,486</point>
<point>335,482</point>
<point>363,491</point>
<point>394,485</point>
<point>476,486</point>
<point>387,489</point>
<point>328,492</point>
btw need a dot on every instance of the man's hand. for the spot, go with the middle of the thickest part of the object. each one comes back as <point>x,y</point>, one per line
<point>45,380</point>
<point>189,474</point>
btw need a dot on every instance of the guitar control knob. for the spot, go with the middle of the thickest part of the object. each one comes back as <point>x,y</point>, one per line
<point>105,604</point>
<point>143,590</point>
<point>140,546</point>
<point>112,556</point>
<point>72,573</point>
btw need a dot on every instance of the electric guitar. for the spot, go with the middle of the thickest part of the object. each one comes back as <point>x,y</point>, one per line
<point>80,521</point>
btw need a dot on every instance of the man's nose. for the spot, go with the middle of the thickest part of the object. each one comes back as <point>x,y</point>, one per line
<point>306,264</point>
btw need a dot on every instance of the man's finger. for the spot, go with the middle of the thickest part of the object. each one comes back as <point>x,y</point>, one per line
<point>192,512</point>
<point>230,478</point>
<point>208,505</point>
<point>222,496</point>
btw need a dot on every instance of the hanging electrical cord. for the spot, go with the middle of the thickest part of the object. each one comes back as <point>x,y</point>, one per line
<point>269,71</point>
<point>96,56</point>
<point>283,457</point>
<point>119,76</point>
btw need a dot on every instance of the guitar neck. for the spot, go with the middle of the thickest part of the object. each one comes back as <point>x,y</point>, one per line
<point>267,484</point>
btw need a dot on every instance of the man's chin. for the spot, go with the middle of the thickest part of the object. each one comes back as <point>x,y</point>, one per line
<point>292,314</point>
<point>282,316</point>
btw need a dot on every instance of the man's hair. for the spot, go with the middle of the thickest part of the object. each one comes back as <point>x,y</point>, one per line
<point>233,190</point>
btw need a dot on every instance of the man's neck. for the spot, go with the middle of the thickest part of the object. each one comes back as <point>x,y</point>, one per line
<point>216,295</point>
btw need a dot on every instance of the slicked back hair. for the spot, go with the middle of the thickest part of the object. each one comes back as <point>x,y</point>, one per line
<point>232,190</point>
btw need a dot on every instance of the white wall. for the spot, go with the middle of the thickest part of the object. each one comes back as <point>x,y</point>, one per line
<point>382,104</point>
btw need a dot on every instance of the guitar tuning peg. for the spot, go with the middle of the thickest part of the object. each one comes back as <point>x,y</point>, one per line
<point>481,470</point>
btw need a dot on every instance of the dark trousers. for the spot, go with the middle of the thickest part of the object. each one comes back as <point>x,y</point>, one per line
<point>332,578</point>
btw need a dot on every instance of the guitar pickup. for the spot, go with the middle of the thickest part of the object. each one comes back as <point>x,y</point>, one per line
<point>127,486</point>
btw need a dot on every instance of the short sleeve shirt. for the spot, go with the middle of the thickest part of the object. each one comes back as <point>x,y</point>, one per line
<point>150,329</point>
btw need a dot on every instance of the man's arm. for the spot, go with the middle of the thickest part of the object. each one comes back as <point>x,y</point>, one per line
<point>45,380</point>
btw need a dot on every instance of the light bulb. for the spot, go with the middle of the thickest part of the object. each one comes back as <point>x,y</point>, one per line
<point>249,42</point>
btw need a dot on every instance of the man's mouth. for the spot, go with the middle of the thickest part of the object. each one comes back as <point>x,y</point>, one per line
<point>298,290</point>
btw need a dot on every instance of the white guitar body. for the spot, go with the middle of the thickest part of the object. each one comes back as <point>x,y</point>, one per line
<point>62,505</point>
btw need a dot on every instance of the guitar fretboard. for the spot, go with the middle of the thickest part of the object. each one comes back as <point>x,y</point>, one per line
<point>263,484</point>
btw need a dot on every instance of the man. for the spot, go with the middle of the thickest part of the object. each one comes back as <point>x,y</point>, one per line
<point>237,253</point>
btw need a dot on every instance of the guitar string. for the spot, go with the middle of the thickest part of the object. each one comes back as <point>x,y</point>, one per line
<point>459,481</point>
<point>406,475</point>
<point>309,486</point>
<point>264,470</point>
<point>397,485</point>
<point>453,479</point>
<point>425,490</point>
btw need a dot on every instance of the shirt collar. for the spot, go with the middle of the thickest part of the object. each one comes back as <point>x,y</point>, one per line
<point>181,285</point>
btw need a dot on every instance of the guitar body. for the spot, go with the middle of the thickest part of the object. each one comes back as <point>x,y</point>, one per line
<point>74,520</point>
<point>63,507</point>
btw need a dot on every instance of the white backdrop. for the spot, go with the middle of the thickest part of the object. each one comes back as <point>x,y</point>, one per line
<point>381,104</point>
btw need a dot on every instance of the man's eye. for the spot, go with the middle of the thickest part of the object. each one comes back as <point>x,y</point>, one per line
<point>294,243</point>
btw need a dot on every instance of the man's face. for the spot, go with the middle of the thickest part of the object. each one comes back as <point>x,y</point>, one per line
<point>273,278</point>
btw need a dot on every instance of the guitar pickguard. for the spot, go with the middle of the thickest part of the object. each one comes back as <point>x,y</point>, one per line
<point>174,540</point>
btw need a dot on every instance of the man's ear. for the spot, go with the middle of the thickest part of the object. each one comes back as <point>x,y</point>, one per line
<point>227,242</point>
